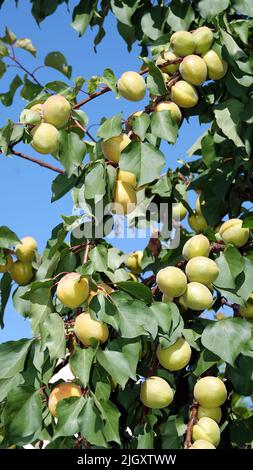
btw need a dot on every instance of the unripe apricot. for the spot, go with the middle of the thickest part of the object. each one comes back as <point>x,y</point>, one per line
<point>113,147</point>
<point>232,232</point>
<point>61,391</point>
<point>179,210</point>
<point>176,356</point>
<point>156,393</point>
<point>21,273</point>
<point>30,116</point>
<point>127,177</point>
<point>203,38</point>
<point>37,107</point>
<point>26,249</point>
<point>182,43</point>
<point>216,67</point>
<point>164,57</point>
<point>86,329</point>
<point>103,288</point>
<point>184,94</point>
<point>207,429</point>
<point>73,290</point>
<point>202,444</point>
<point>167,298</point>
<point>199,205</point>
<point>247,310</point>
<point>133,261</point>
<point>197,296</point>
<point>4,268</point>
<point>56,111</point>
<point>196,246</point>
<point>176,114</point>
<point>45,138</point>
<point>202,269</point>
<point>132,86</point>
<point>171,281</point>
<point>197,222</point>
<point>213,413</point>
<point>193,69</point>
<point>124,197</point>
<point>210,392</point>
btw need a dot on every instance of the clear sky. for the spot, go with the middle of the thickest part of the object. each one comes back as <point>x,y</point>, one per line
<point>25,188</point>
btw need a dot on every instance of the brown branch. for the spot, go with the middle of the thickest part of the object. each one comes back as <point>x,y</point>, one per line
<point>84,130</point>
<point>37,161</point>
<point>192,421</point>
<point>235,307</point>
<point>60,365</point>
<point>31,74</point>
<point>86,253</point>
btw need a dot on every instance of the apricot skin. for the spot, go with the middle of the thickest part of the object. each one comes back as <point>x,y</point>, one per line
<point>21,273</point>
<point>164,57</point>
<point>61,391</point>
<point>207,429</point>
<point>176,356</point>
<point>113,147</point>
<point>197,222</point>
<point>56,111</point>
<point>203,38</point>
<point>127,177</point>
<point>247,310</point>
<point>156,393</point>
<point>197,296</point>
<point>133,261</point>
<point>216,67</point>
<point>173,108</point>
<point>124,197</point>
<point>231,231</point>
<point>202,269</point>
<point>210,392</point>
<point>26,249</point>
<point>72,290</point>
<point>193,69</point>
<point>171,281</point>
<point>87,328</point>
<point>184,94</point>
<point>179,210</point>
<point>196,246</point>
<point>132,86</point>
<point>213,413</point>
<point>4,268</point>
<point>45,138</point>
<point>182,43</point>
<point>202,444</point>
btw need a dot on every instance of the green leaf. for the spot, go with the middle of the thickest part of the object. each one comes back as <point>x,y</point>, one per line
<point>109,79</point>
<point>4,51</point>
<point>137,290</point>
<point>235,260</point>
<point>9,37</point>
<point>41,307</point>
<point>155,80</point>
<point>5,290</point>
<point>124,10</point>
<point>27,45</point>
<point>82,15</point>
<point>163,126</point>
<point>2,68</point>
<point>62,185</point>
<point>53,336</point>
<point>95,182</point>
<point>152,22</point>
<point>98,255</point>
<point>241,375</point>
<point>21,306</point>
<point>241,431</point>
<point>111,127</point>
<point>91,424</point>
<point>181,15</point>
<point>213,8</point>
<point>169,434</point>
<point>12,357</point>
<point>71,151</point>
<point>169,321</point>
<point>80,363</point>
<point>8,384</point>
<point>110,415</point>
<point>104,310</point>
<point>206,360</point>
<point>68,412</point>
<point>57,60</point>
<point>244,7</point>
<point>227,338</point>
<point>146,440</point>
<point>140,125</point>
<point>22,415</point>
<point>232,47</point>
<point>30,90</point>
<point>144,160</point>
<point>227,115</point>
<point>7,98</point>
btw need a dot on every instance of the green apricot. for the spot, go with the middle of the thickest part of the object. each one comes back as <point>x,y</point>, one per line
<point>202,444</point>
<point>184,94</point>
<point>217,68</point>
<point>247,310</point>
<point>182,43</point>
<point>193,69</point>
<point>196,246</point>
<point>171,281</point>
<point>197,296</point>
<point>132,86</point>
<point>156,393</point>
<point>197,222</point>
<point>176,356</point>
<point>172,107</point>
<point>45,138</point>
<point>22,273</point>
<point>203,38</point>
<point>164,57</point>
<point>202,269</point>
<point>233,232</point>
<point>56,111</point>
<point>207,429</point>
<point>213,413</point>
<point>210,392</point>
<point>179,210</point>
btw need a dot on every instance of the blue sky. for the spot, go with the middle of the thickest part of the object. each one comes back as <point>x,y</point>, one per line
<point>26,188</point>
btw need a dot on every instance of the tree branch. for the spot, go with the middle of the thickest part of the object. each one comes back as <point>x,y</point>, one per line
<point>37,161</point>
<point>192,421</point>
<point>31,74</point>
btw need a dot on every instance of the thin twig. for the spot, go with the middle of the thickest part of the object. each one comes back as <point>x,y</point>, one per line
<point>21,66</point>
<point>37,161</point>
<point>84,130</point>
<point>86,253</point>
<point>192,421</point>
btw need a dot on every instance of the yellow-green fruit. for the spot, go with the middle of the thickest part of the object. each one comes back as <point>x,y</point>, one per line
<point>86,329</point>
<point>202,269</point>
<point>216,67</point>
<point>167,298</point>
<point>184,94</point>
<point>124,198</point>
<point>37,107</point>
<point>199,205</point>
<point>210,392</point>
<point>182,43</point>
<point>182,305</point>
<point>196,246</point>
<point>197,222</point>
<point>213,413</point>
<point>197,296</point>
<point>4,268</point>
<point>133,261</point>
<point>202,444</point>
<point>127,177</point>
<point>172,107</point>
<point>247,310</point>
<point>193,69</point>
<point>232,232</point>
<point>103,288</point>
<point>220,316</point>
<point>56,111</point>
<point>171,281</point>
<point>45,138</point>
<point>61,391</point>
<point>164,57</point>
<point>203,38</point>
<point>73,290</point>
<point>179,211</point>
<point>113,147</point>
<point>21,273</point>
<point>30,116</point>
<point>26,249</point>
<point>206,429</point>
<point>175,357</point>
<point>166,78</point>
<point>132,86</point>
<point>156,393</point>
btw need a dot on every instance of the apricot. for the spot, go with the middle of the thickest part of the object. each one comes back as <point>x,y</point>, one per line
<point>176,114</point>
<point>45,138</point>
<point>203,38</point>
<point>197,296</point>
<point>213,413</point>
<point>25,250</point>
<point>179,210</point>
<point>171,281</point>
<point>210,392</point>
<point>73,290</point>
<point>156,393</point>
<point>199,205</point>
<point>216,67</point>
<point>4,268</point>
<point>193,69</point>
<point>132,86</point>
<point>202,269</point>
<point>202,444</point>
<point>182,43</point>
<point>61,391</point>
<point>127,177</point>
<point>196,246</point>
<point>56,111</point>
<point>21,273</point>
<point>176,356</point>
<point>133,261</point>
<point>86,329</point>
<point>30,116</point>
<point>197,222</point>
<point>163,58</point>
<point>232,232</point>
<point>124,197</point>
<point>166,298</point>
<point>206,429</point>
<point>184,94</point>
<point>113,147</point>
<point>247,310</point>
